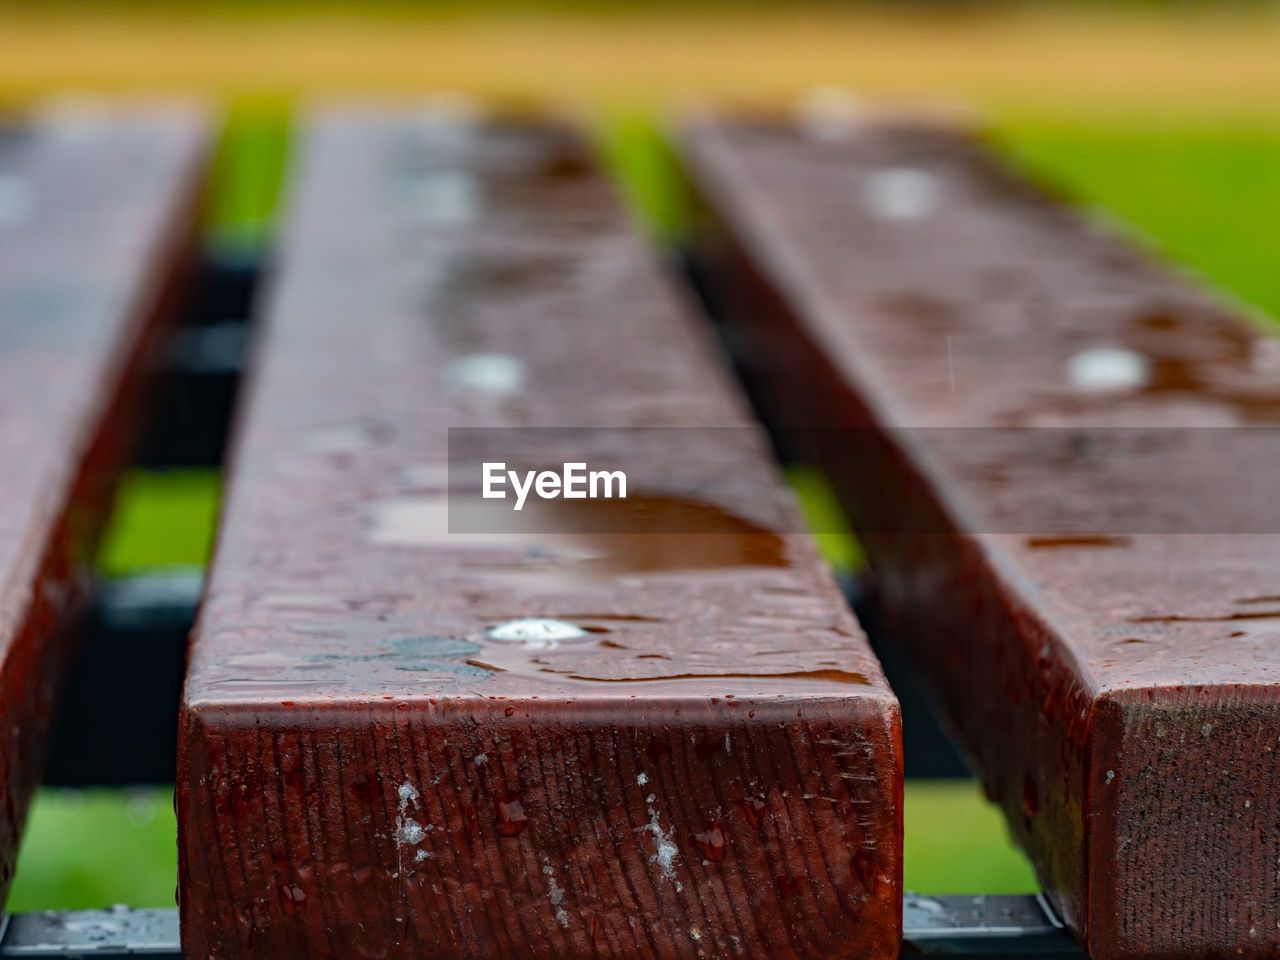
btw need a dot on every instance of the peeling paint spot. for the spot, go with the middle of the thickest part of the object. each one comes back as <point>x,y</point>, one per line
<point>665,851</point>
<point>408,830</point>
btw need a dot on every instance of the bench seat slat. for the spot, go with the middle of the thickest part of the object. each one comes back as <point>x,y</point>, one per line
<point>97,225</point>
<point>1114,690</point>
<point>361,760</point>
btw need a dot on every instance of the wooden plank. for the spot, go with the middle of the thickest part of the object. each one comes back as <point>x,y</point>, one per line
<point>1118,694</point>
<point>706,765</point>
<point>97,217</point>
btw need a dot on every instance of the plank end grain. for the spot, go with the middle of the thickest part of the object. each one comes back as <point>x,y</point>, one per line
<point>1183,792</point>
<point>697,757</point>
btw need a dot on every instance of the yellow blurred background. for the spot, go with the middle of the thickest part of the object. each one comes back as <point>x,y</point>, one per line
<point>1221,59</point>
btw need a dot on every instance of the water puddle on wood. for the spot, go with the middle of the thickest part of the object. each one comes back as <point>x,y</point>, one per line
<point>558,546</point>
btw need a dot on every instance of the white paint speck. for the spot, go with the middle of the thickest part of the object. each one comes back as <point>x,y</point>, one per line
<point>409,830</point>
<point>481,759</point>
<point>555,895</point>
<point>1207,729</point>
<point>642,778</point>
<point>695,933</point>
<point>1111,775</point>
<point>1108,369</point>
<point>902,193</point>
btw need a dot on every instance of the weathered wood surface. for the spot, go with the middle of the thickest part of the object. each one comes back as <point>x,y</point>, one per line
<point>1118,694</point>
<point>97,218</point>
<point>711,768</point>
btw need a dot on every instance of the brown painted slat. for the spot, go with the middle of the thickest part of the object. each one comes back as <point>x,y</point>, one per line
<point>97,219</point>
<point>1120,695</point>
<point>712,769</point>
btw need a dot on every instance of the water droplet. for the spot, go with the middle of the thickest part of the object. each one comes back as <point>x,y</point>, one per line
<point>536,632</point>
<point>828,114</point>
<point>1107,369</point>
<point>266,660</point>
<point>713,842</point>
<point>446,196</point>
<point>1265,355</point>
<point>754,809</point>
<point>486,373</point>
<point>305,602</point>
<point>928,905</point>
<point>509,815</point>
<point>902,193</point>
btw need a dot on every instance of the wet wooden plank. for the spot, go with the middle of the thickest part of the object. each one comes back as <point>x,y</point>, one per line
<point>97,219</point>
<point>705,761</point>
<point>1118,693</point>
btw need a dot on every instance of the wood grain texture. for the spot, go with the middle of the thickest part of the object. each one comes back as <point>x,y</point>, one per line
<point>1119,695</point>
<point>97,220</point>
<point>712,769</point>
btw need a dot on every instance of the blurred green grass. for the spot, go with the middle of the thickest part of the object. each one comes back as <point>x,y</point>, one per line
<point>93,848</point>
<point>161,519</point>
<point>1208,196</point>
